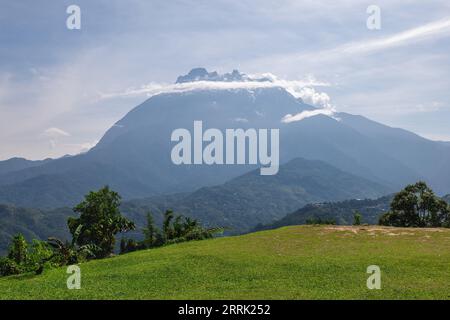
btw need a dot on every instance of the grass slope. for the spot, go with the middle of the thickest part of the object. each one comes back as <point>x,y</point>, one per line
<point>300,262</point>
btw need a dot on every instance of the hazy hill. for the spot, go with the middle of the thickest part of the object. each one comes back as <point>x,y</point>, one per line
<point>251,198</point>
<point>16,164</point>
<point>341,212</point>
<point>32,223</point>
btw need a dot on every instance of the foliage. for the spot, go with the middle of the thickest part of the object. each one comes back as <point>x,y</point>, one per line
<point>102,220</point>
<point>9,267</point>
<point>152,235</point>
<point>417,206</point>
<point>39,256</point>
<point>65,253</point>
<point>180,228</point>
<point>93,236</point>
<point>130,245</point>
<point>176,229</point>
<point>23,257</point>
<point>357,217</point>
<point>18,250</point>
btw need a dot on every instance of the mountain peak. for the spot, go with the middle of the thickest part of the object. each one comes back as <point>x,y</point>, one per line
<point>201,74</point>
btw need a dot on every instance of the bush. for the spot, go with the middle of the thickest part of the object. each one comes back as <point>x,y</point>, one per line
<point>9,267</point>
<point>357,219</point>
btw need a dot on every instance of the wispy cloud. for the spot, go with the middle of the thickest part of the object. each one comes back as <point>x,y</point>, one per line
<point>56,132</point>
<point>295,87</point>
<point>307,114</point>
<point>436,28</point>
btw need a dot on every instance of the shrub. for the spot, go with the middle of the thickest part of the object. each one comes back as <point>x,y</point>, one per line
<point>9,267</point>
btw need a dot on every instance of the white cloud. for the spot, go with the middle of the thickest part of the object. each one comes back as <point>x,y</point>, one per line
<point>298,88</point>
<point>311,96</point>
<point>303,89</point>
<point>56,132</point>
<point>435,28</point>
<point>244,120</point>
<point>307,114</point>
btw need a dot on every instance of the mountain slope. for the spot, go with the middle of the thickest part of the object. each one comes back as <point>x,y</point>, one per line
<point>341,212</point>
<point>32,223</point>
<point>17,164</point>
<point>431,162</point>
<point>250,199</point>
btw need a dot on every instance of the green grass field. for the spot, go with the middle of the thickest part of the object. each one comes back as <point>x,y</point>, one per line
<point>301,262</point>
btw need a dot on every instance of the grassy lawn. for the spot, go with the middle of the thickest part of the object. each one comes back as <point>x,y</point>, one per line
<point>301,262</point>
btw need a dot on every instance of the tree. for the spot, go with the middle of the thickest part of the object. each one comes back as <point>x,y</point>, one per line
<point>23,258</point>
<point>66,253</point>
<point>152,235</point>
<point>357,218</point>
<point>168,232</point>
<point>101,220</point>
<point>18,249</point>
<point>417,206</point>
<point>181,228</point>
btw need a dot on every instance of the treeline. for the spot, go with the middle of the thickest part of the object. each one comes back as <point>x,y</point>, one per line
<point>94,236</point>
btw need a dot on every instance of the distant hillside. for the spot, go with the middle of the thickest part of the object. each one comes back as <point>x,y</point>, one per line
<point>250,199</point>
<point>32,223</point>
<point>342,212</point>
<point>16,164</point>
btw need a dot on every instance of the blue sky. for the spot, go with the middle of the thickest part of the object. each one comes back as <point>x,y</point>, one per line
<point>53,81</point>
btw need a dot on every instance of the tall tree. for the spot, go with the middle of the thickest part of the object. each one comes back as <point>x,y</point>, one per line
<point>101,220</point>
<point>152,235</point>
<point>167,225</point>
<point>18,250</point>
<point>417,206</point>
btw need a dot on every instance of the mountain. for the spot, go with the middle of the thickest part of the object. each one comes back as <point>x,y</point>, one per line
<point>16,164</point>
<point>341,212</point>
<point>133,157</point>
<point>403,146</point>
<point>250,199</point>
<point>239,204</point>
